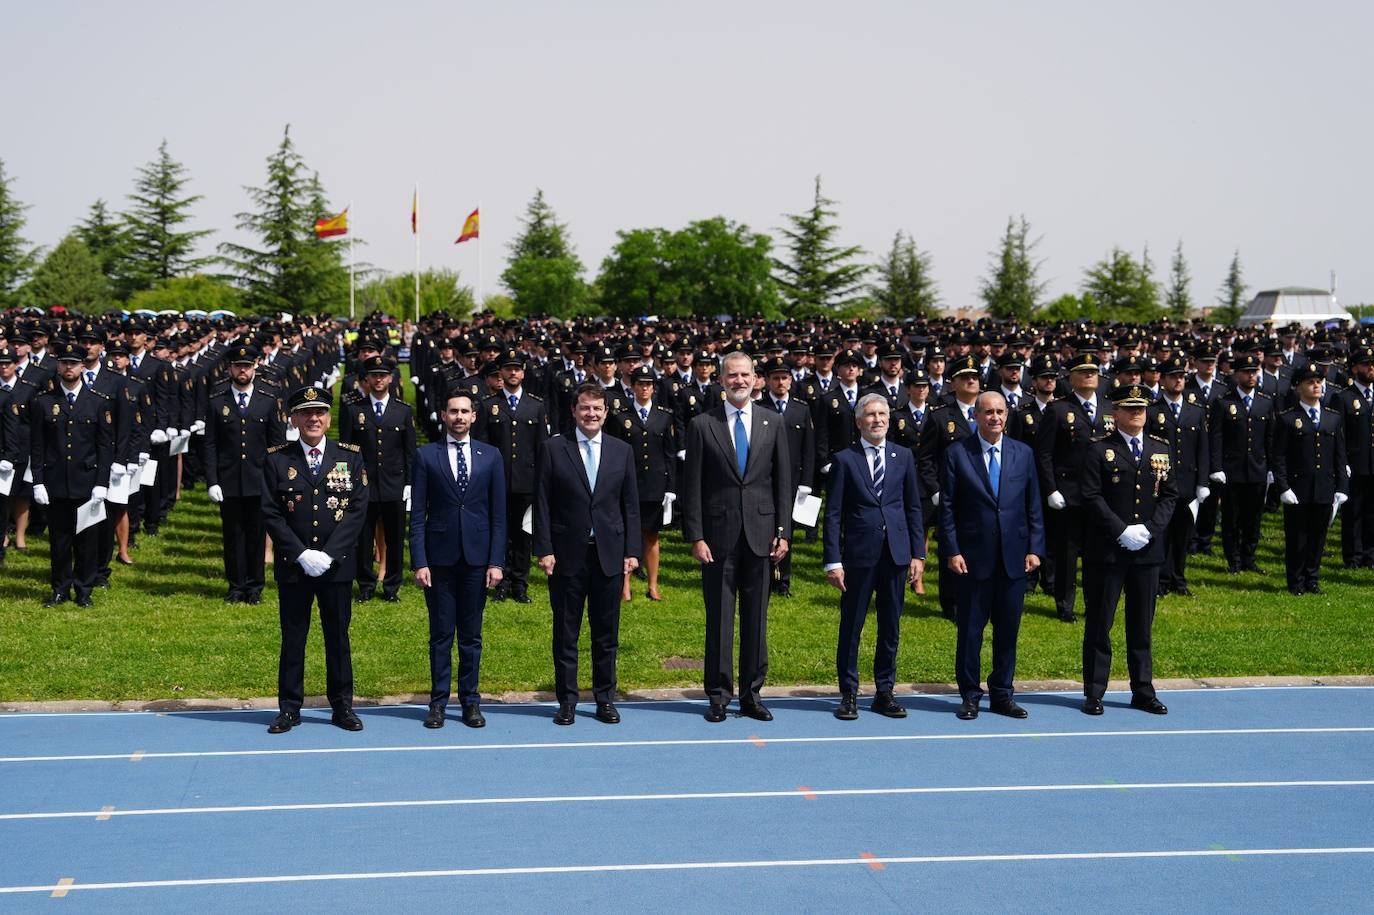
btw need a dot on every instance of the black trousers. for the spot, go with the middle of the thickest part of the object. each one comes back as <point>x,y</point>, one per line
<point>335,599</point>
<point>736,573</point>
<point>998,600</point>
<point>1357,523</point>
<point>886,580</point>
<point>73,556</point>
<point>1103,585</point>
<point>517,571</point>
<point>1242,507</point>
<point>946,582</point>
<point>456,598</point>
<point>1304,539</point>
<point>242,532</point>
<point>1065,528</point>
<point>600,594</point>
<point>1177,537</point>
<point>392,515</point>
<point>166,481</point>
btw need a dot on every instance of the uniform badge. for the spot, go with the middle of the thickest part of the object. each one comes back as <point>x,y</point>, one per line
<point>1297,422</point>
<point>692,399</point>
<point>1192,398</point>
<point>290,473</point>
<point>225,410</point>
<point>1232,409</point>
<point>901,424</point>
<point>14,408</point>
<point>1161,419</point>
<point>338,515</point>
<point>332,502</point>
<point>1356,404</point>
<point>109,418</point>
<point>1116,479</point>
<point>362,419</point>
<point>1110,455</point>
<point>949,427</point>
<point>56,410</point>
<point>628,424</point>
<point>496,409</point>
<point>1030,420</point>
<point>835,404</point>
<point>364,477</point>
<point>1069,417</point>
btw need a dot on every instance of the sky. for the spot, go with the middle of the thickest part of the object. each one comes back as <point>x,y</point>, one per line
<point>1229,126</point>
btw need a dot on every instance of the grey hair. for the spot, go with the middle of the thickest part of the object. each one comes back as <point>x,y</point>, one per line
<point>868,399</point>
<point>998,394</point>
<point>736,354</point>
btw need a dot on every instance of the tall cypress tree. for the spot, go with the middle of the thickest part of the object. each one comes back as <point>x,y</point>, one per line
<point>17,257</point>
<point>104,237</point>
<point>905,287</point>
<point>544,274</point>
<point>818,275</point>
<point>1231,300</point>
<point>1013,290</point>
<point>157,247</point>
<point>1178,298</point>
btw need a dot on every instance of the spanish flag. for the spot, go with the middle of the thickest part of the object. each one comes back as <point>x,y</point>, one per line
<point>332,225</point>
<point>470,228</point>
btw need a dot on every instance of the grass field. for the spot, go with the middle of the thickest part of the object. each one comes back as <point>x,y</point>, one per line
<point>161,630</point>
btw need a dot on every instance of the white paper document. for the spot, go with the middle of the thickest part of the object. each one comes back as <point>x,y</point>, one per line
<point>120,486</point>
<point>667,512</point>
<point>149,475</point>
<point>28,473</point>
<point>91,512</point>
<point>1193,506</point>
<point>806,509</point>
<point>6,481</point>
<point>180,443</point>
<point>527,522</point>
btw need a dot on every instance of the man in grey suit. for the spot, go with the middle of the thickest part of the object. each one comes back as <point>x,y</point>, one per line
<point>737,514</point>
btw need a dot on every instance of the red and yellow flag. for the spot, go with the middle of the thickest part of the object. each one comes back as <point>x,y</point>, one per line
<point>330,226</point>
<point>470,228</point>
<point>415,212</point>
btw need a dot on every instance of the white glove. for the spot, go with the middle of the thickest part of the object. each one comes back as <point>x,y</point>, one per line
<point>132,468</point>
<point>6,466</point>
<point>682,456</point>
<point>1269,478</point>
<point>184,432</point>
<point>314,562</point>
<point>216,494</point>
<point>415,380</point>
<point>1347,470</point>
<point>1218,477</point>
<point>825,469</point>
<point>292,433</point>
<point>198,427</point>
<point>669,498</point>
<point>1340,499</point>
<point>419,387</point>
<point>99,493</point>
<point>171,432</point>
<point>1134,537</point>
<point>935,499</point>
<point>143,457</point>
<point>159,437</point>
<point>1288,497</point>
<point>434,417</point>
<point>40,494</point>
<point>1203,493</point>
<point>804,490</point>
<point>117,472</point>
<point>405,493</point>
<point>1056,500</point>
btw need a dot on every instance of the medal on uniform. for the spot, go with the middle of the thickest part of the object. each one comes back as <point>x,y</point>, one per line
<point>338,515</point>
<point>1159,463</point>
<point>332,502</point>
<point>290,473</point>
<point>1109,423</point>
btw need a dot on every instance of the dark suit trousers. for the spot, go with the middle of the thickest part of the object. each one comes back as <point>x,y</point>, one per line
<point>517,571</point>
<point>240,520</point>
<point>886,580</point>
<point>1242,507</point>
<point>392,515</point>
<point>945,581</point>
<point>456,599</point>
<point>336,610</point>
<point>736,572</point>
<point>998,600</point>
<point>1065,528</point>
<point>1177,536</point>
<point>1103,585</point>
<point>601,595</point>
<point>1304,539</point>
<point>73,559</point>
<point>1357,523</point>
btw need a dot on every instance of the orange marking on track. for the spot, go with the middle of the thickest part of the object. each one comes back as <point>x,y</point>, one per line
<point>806,792</point>
<point>758,741</point>
<point>62,885</point>
<point>872,860</point>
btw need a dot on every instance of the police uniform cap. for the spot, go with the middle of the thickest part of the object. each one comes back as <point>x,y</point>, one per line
<point>117,349</point>
<point>1130,395</point>
<point>890,351</point>
<point>848,357</point>
<point>1011,359</point>
<point>1307,373</point>
<point>312,397</point>
<point>244,355</point>
<point>1174,365</point>
<point>1128,364</point>
<point>917,376</point>
<point>67,351</point>
<point>376,365</point>
<point>776,364</point>
<point>1084,361</point>
<point>7,355</point>
<point>490,367</point>
<point>511,357</point>
<point>964,365</point>
<point>1361,354</point>
<point>1246,362</point>
<point>1044,365</point>
<point>643,373</point>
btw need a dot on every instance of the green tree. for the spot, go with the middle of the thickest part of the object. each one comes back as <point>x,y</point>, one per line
<point>636,276</point>
<point>69,276</point>
<point>17,257</point>
<point>1231,301</point>
<point>1068,308</point>
<point>105,237</point>
<point>905,287</point>
<point>1012,289</point>
<point>157,247</point>
<point>184,293</point>
<point>818,274</point>
<point>544,274</point>
<point>395,295</point>
<point>1122,287</point>
<point>1178,297</point>
<point>721,267</point>
<point>291,269</point>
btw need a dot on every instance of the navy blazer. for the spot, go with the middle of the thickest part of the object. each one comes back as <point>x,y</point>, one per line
<point>867,522</point>
<point>567,513</point>
<point>448,527</point>
<point>984,528</point>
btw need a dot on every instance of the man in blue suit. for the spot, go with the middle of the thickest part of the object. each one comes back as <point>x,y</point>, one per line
<point>587,538</point>
<point>874,543</point>
<point>457,547</point>
<point>991,525</point>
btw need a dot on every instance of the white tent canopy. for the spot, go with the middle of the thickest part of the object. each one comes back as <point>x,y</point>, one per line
<point>1292,305</point>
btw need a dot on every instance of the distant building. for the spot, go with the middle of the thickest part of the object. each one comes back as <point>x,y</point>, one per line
<point>1293,305</point>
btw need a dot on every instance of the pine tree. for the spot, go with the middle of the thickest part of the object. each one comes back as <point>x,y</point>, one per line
<point>819,275</point>
<point>1013,289</point>
<point>17,258</point>
<point>1231,301</point>
<point>104,237</point>
<point>544,274</point>
<point>905,287</point>
<point>157,248</point>
<point>69,276</point>
<point>292,270</point>
<point>1122,289</point>
<point>1178,299</point>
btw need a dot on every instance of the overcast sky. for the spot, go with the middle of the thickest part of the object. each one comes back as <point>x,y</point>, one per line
<point>1229,125</point>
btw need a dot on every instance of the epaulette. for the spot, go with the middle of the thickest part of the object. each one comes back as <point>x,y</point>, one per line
<point>100,393</point>
<point>938,407</point>
<point>352,397</point>
<point>275,448</point>
<point>660,406</point>
<point>349,446</point>
<point>1159,438</point>
<point>534,397</point>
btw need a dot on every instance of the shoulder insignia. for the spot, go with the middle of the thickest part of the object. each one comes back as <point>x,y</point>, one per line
<point>1158,438</point>
<point>349,446</point>
<point>535,397</point>
<point>275,448</point>
<point>99,393</point>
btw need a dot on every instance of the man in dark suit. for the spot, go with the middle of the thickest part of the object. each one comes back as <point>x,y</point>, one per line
<point>586,535</point>
<point>457,548</point>
<point>737,514</point>
<point>874,543</point>
<point>1129,493</point>
<point>314,499</point>
<point>992,530</point>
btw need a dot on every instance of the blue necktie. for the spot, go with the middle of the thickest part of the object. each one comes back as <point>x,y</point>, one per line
<point>741,443</point>
<point>970,414</point>
<point>1246,398</point>
<point>1312,411</point>
<point>850,395</point>
<point>994,471</point>
<point>644,414</point>
<point>878,472</point>
<point>916,414</point>
<point>90,377</point>
<point>243,403</point>
<point>462,468</point>
<point>1087,405</point>
<point>513,401</point>
<point>71,398</point>
<point>1135,448</point>
<point>377,405</point>
<point>1174,407</point>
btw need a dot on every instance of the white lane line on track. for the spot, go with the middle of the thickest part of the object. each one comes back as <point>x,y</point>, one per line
<point>722,741</point>
<point>108,812</point>
<point>863,861</point>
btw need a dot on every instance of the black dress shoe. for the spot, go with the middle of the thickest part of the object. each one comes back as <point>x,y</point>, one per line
<point>606,713</point>
<point>756,710</point>
<point>1232,569</point>
<point>1092,706</point>
<point>520,595</point>
<point>391,597</point>
<point>1184,591</point>
<point>968,710</point>
<point>365,595</point>
<point>783,589</point>
<point>83,600</point>
<point>233,597</point>
<point>1010,709</point>
<point>566,714</point>
<point>472,716</point>
<point>252,598</point>
<point>1067,616</point>
<point>1251,567</point>
<point>884,704</point>
<point>435,718</point>
<point>501,592</point>
<point>347,720</point>
<point>1296,590</point>
<point>848,709</point>
<point>56,599</point>
<point>1151,705</point>
<point>1314,588</point>
<point>715,713</point>
<point>284,722</point>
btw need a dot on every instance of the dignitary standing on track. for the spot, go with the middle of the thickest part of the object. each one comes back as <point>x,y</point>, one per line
<point>314,499</point>
<point>737,515</point>
<point>994,536</point>
<point>457,548</point>
<point>587,538</point>
<point>1129,494</point>
<point>874,544</point>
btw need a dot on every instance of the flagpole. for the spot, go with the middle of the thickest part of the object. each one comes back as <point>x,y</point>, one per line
<point>351,301</point>
<point>416,233</point>
<point>479,256</point>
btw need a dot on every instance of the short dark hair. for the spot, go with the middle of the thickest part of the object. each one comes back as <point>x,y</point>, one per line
<point>472,401</point>
<point>588,387</point>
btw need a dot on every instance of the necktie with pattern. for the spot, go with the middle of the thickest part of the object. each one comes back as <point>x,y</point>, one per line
<point>878,472</point>
<point>1312,412</point>
<point>1247,399</point>
<point>644,414</point>
<point>1088,407</point>
<point>314,462</point>
<point>849,395</point>
<point>462,468</point>
<point>71,398</point>
<point>377,405</point>
<point>90,377</point>
<point>1174,406</point>
<point>513,401</point>
<point>970,414</point>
